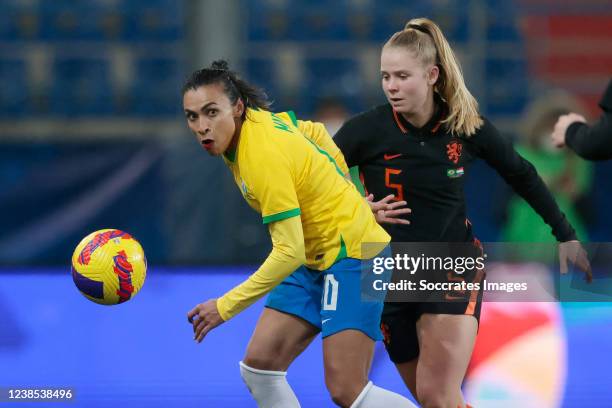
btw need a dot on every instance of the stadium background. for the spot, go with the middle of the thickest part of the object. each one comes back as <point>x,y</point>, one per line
<point>92,136</point>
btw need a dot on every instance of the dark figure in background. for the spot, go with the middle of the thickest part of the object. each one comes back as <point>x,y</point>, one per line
<point>566,175</point>
<point>590,142</point>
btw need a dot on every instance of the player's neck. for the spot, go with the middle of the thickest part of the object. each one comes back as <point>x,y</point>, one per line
<point>230,152</point>
<point>420,118</point>
<point>234,143</point>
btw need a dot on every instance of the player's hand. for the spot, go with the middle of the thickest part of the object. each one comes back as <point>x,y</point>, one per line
<point>575,253</point>
<point>388,212</point>
<point>558,134</point>
<point>204,317</point>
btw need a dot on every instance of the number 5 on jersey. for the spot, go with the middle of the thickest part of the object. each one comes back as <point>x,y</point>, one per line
<point>399,189</point>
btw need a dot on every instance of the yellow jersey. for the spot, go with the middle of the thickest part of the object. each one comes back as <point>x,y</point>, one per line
<point>285,168</point>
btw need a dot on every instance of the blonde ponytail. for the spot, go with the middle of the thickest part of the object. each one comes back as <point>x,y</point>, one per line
<point>426,39</point>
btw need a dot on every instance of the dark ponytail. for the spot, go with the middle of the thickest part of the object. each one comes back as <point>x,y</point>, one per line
<point>234,87</point>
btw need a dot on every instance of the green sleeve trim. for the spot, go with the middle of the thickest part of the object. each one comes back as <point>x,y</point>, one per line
<point>354,173</point>
<point>323,152</point>
<point>282,215</point>
<point>331,159</point>
<point>293,118</point>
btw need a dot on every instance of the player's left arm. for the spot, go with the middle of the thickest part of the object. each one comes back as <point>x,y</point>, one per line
<point>522,176</point>
<point>316,132</point>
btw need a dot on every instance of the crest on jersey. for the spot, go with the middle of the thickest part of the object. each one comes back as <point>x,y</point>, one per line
<point>453,151</point>
<point>245,191</point>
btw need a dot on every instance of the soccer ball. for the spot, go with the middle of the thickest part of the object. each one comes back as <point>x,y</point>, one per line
<point>109,266</point>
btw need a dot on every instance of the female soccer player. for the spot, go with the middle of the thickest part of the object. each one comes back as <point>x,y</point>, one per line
<point>292,173</point>
<point>418,146</point>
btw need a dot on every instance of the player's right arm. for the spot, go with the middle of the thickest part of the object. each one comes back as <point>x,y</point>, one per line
<point>269,177</point>
<point>591,142</point>
<point>287,255</point>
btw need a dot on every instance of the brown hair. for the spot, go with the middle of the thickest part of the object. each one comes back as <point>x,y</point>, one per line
<point>234,87</point>
<point>542,113</point>
<point>423,37</point>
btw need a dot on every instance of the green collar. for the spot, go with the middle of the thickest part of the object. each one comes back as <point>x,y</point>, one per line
<point>230,155</point>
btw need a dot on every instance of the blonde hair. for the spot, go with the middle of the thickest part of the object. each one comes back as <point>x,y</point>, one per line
<point>423,37</point>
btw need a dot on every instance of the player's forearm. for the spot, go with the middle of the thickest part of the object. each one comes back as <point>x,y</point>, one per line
<point>272,272</point>
<point>594,142</point>
<point>287,255</point>
<point>529,185</point>
<point>591,142</point>
<point>522,176</point>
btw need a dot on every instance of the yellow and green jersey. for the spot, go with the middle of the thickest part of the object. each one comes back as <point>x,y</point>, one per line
<point>285,168</point>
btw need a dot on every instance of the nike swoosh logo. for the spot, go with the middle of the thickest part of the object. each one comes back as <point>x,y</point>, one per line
<point>392,156</point>
<point>325,320</point>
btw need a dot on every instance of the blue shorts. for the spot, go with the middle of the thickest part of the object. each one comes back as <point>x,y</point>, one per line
<point>330,300</point>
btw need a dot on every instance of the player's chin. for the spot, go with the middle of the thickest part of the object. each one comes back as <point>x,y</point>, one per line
<point>401,107</point>
<point>212,150</point>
